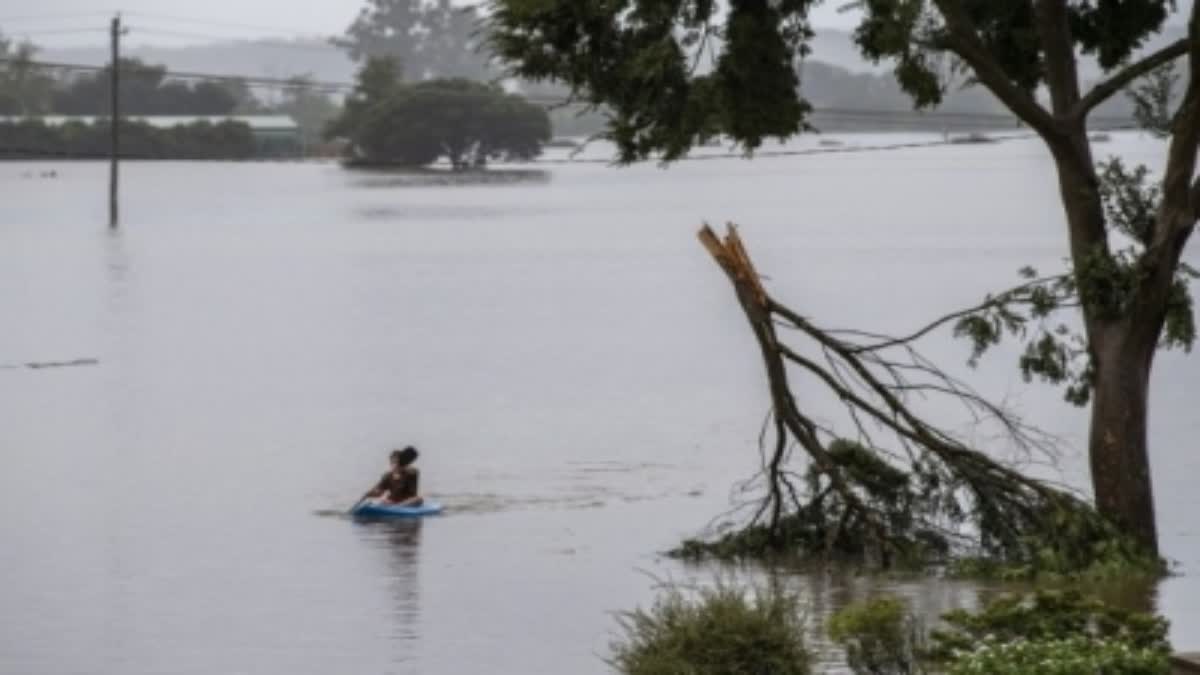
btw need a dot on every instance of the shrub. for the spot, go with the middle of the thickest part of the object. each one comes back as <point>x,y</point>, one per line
<point>1048,616</point>
<point>880,637</point>
<point>714,631</point>
<point>1070,656</point>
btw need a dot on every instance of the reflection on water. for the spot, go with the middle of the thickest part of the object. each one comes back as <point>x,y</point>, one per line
<point>420,178</point>
<point>398,545</point>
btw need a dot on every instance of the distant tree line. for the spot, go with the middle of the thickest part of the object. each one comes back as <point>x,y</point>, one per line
<point>30,137</point>
<point>30,90</point>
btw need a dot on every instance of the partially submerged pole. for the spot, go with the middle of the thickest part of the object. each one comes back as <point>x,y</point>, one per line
<point>114,121</point>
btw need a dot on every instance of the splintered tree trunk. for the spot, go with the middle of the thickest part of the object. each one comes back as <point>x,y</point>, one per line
<point>1120,461</point>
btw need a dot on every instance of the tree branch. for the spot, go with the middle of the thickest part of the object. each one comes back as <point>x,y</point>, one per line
<point>1106,89</point>
<point>1181,155</point>
<point>1062,77</point>
<point>995,301</point>
<point>964,41</point>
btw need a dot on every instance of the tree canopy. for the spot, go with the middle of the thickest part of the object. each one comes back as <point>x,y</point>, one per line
<point>465,122</point>
<point>677,71</point>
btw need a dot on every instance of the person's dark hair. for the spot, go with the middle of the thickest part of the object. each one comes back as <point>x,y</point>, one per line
<point>406,456</point>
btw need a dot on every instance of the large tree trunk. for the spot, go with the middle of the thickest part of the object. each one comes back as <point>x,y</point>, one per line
<point>1120,460</point>
<point>1122,350</point>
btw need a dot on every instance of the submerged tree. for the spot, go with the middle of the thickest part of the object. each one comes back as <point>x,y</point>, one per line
<point>640,59</point>
<point>377,80</point>
<point>465,122</point>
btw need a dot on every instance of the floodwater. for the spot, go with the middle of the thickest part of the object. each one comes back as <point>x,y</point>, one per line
<point>573,367</point>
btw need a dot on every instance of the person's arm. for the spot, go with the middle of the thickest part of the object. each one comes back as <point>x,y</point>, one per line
<point>380,487</point>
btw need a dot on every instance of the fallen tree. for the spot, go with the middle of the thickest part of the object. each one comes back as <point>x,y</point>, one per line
<point>899,489</point>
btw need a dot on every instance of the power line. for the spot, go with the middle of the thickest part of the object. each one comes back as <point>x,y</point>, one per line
<point>181,75</point>
<point>222,24</point>
<point>57,31</point>
<point>137,28</point>
<point>53,16</point>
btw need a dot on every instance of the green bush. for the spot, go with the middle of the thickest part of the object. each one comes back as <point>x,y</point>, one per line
<point>1071,656</point>
<point>714,631</point>
<point>1051,632</point>
<point>1048,633</point>
<point>1048,616</point>
<point>880,637</point>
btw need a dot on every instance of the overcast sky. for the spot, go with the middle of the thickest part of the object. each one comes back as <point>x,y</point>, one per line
<point>50,22</point>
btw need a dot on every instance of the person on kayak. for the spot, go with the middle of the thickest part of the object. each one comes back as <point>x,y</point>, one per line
<point>398,487</point>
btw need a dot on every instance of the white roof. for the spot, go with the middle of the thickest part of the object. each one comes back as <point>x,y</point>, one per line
<point>261,122</point>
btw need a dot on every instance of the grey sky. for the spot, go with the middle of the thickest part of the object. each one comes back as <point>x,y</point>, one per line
<point>43,21</point>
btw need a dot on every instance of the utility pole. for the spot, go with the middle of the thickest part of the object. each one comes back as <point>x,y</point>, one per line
<point>114,121</point>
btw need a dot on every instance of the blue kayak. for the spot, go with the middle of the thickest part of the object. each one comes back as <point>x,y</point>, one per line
<point>374,510</point>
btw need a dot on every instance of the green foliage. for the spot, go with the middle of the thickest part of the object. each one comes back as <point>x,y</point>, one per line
<point>1045,535</point>
<point>880,637</point>
<point>1055,633</point>
<point>1049,632</point>
<point>824,528</point>
<point>915,36</point>
<point>1047,616</point>
<point>466,122</point>
<point>1130,199</point>
<point>675,72</point>
<point>1071,656</point>
<point>201,140</point>
<point>714,632</point>
<point>377,81</point>
<point>1153,98</point>
<point>1105,283</point>
<point>638,58</point>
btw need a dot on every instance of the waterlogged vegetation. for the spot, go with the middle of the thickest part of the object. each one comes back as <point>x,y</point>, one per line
<point>725,630</point>
<point>468,124</point>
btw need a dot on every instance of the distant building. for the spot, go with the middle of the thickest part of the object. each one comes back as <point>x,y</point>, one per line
<point>274,135</point>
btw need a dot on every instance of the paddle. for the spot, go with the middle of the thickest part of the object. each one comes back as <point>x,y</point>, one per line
<point>360,500</point>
